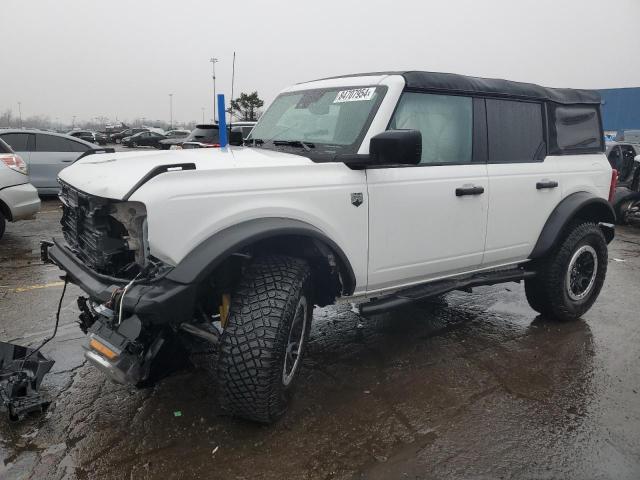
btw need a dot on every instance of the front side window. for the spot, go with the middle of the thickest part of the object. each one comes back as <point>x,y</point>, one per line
<point>515,131</point>
<point>331,120</point>
<point>445,122</point>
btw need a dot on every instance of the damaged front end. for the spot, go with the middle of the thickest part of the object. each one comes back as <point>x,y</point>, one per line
<point>132,308</point>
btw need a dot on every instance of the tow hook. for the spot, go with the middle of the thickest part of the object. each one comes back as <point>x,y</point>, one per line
<point>21,373</point>
<point>44,251</point>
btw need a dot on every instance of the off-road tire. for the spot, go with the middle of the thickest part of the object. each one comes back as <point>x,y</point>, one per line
<point>253,345</point>
<point>547,292</point>
<point>3,224</point>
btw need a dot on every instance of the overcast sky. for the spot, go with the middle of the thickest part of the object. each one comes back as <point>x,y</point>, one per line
<point>121,58</point>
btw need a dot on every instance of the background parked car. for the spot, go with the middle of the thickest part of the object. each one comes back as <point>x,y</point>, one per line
<point>177,133</point>
<point>47,153</point>
<point>90,136</point>
<point>18,198</point>
<point>143,139</point>
<point>117,137</point>
<point>621,157</point>
<point>207,136</point>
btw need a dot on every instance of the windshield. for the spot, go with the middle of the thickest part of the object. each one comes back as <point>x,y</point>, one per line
<point>331,120</point>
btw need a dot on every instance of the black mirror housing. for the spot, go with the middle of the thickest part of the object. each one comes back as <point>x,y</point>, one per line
<point>235,136</point>
<point>396,147</point>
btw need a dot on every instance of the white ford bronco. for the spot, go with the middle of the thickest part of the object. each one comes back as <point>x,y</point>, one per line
<point>378,189</point>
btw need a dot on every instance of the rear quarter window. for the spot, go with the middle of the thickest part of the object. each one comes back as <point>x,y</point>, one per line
<point>17,141</point>
<point>575,129</point>
<point>4,148</point>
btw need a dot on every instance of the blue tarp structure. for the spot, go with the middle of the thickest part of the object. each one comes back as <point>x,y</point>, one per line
<point>621,108</point>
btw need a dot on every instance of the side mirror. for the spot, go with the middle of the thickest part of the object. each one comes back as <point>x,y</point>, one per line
<point>235,136</point>
<point>396,147</point>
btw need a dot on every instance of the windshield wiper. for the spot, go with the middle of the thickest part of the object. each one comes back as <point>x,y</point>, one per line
<point>295,143</point>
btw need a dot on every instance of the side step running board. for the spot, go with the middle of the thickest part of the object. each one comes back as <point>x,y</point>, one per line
<point>421,292</point>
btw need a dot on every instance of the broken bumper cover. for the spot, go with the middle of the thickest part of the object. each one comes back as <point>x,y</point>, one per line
<point>159,301</point>
<point>21,373</point>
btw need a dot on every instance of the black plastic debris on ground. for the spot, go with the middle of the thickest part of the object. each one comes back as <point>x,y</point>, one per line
<point>21,373</point>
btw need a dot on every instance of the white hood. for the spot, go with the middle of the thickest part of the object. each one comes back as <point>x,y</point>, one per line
<point>113,175</point>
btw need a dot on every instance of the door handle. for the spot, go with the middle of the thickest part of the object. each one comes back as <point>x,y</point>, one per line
<point>66,161</point>
<point>473,190</point>
<point>546,184</point>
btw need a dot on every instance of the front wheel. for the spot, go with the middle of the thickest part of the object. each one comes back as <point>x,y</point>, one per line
<point>570,279</point>
<point>3,224</point>
<point>264,339</point>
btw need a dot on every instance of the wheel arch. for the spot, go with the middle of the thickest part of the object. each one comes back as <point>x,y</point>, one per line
<point>579,205</point>
<point>202,261</point>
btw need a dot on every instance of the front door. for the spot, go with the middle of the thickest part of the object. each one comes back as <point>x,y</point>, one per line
<point>429,221</point>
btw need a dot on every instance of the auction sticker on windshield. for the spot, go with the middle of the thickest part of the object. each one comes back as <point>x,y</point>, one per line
<point>354,95</point>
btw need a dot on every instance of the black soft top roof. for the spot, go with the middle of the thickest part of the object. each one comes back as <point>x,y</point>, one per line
<point>463,84</point>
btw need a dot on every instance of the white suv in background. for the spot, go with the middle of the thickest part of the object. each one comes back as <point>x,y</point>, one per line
<point>18,198</point>
<point>381,189</point>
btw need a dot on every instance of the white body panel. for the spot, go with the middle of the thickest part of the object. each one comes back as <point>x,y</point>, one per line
<point>230,186</point>
<point>419,229</point>
<point>517,209</point>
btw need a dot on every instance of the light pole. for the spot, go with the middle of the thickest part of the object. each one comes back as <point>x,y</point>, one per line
<point>170,111</point>
<point>20,112</point>
<point>73,124</point>
<point>203,115</point>
<point>213,61</point>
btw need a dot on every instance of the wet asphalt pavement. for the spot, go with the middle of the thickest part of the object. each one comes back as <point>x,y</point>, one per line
<point>467,386</point>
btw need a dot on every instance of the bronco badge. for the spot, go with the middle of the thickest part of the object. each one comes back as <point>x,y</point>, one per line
<point>357,199</point>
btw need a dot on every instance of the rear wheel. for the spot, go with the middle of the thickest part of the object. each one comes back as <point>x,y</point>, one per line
<point>264,339</point>
<point>134,145</point>
<point>570,279</point>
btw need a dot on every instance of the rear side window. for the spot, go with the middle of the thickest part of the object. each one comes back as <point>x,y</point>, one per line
<point>575,129</point>
<point>17,141</point>
<point>51,143</point>
<point>515,131</point>
<point>445,122</point>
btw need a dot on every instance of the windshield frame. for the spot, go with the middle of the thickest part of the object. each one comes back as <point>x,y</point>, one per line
<point>323,151</point>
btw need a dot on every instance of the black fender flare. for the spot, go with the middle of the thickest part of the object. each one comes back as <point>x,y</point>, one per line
<point>204,258</point>
<point>577,204</point>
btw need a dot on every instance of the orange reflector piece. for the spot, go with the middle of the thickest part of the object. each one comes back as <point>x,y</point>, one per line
<point>103,349</point>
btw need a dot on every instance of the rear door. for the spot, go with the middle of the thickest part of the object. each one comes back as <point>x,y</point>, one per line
<point>523,183</point>
<point>52,153</point>
<point>429,220</point>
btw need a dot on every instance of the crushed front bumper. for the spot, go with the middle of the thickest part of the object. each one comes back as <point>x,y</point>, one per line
<point>160,301</point>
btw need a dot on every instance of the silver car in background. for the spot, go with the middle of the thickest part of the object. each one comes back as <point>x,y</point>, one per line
<point>18,198</point>
<point>46,153</point>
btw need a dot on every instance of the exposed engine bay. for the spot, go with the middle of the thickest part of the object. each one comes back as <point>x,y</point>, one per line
<point>110,236</point>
